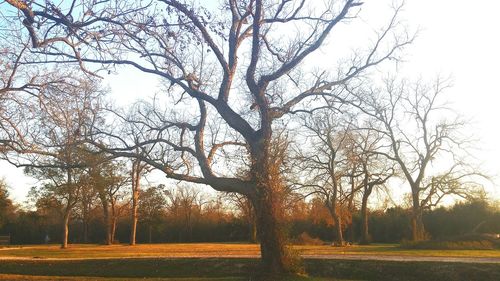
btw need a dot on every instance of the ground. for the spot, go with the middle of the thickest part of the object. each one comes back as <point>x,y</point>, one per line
<point>226,261</point>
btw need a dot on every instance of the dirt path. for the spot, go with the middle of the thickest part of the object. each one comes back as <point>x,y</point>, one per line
<point>403,258</point>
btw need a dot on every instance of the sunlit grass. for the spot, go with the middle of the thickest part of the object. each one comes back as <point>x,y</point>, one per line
<point>76,251</point>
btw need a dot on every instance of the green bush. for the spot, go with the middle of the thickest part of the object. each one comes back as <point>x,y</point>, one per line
<point>464,242</point>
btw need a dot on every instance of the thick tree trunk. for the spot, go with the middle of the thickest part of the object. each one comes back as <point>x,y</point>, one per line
<point>417,225</point>
<point>338,230</point>
<point>65,229</point>
<point>106,217</point>
<point>252,225</point>
<point>338,236</point>
<point>271,235</point>
<point>267,201</point>
<point>365,235</point>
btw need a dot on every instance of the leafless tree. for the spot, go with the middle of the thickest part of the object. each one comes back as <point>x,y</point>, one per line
<point>407,115</point>
<point>51,144</point>
<point>376,170</point>
<point>245,210</point>
<point>232,64</point>
<point>327,166</point>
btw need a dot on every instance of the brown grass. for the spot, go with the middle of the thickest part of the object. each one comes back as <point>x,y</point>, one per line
<point>86,251</point>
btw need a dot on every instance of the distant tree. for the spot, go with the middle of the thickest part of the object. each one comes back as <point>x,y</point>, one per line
<point>152,207</point>
<point>7,207</point>
<point>60,192</point>
<point>86,206</point>
<point>327,167</point>
<point>108,178</point>
<point>407,116</point>
<point>244,208</point>
<point>184,205</point>
<point>51,145</point>
<point>375,170</point>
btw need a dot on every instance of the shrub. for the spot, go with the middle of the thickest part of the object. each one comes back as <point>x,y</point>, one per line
<point>464,242</point>
<point>305,239</point>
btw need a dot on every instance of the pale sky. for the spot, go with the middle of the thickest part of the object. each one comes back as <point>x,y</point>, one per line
<point>457,38</point>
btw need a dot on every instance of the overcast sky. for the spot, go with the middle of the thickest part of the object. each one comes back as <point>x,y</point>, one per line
<point>457,38</point>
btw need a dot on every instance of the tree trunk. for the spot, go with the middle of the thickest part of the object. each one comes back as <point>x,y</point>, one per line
<point>113,230</point>
<point>136,178</point>
<point>365,235</point>
<point>350,207</point>
<point>271,236</point>
<point>65,229</point>
<point>338,236</point>
<point>338,229</point>
<point>133,230</point>
<point>85,232</point>
<point>85,223</point>
<point>150,230</point>
<point>106,217</point>
<point>417,225</point>
<point>252,225</point>
<point>267,201</point>
<point>135,207</point>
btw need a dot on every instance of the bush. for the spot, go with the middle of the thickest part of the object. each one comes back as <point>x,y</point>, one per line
<point>305,239</point>
<point>464,242</point>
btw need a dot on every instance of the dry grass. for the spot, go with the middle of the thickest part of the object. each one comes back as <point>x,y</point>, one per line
<point>85,251</point>
<point>80,278</point>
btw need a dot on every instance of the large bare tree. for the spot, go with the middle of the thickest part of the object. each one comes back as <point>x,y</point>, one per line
<point>239,64</point>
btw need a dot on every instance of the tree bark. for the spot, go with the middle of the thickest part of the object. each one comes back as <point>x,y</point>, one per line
<point>136,181</point>
<point>106,217</point>
<point>86,224</point>
<point>365,235</point>
<point>150,230</point>
<point>65,229</point>
<point>85,232</point>
<point>271,235</point>
<point>338,229</point>
<point>417,225</point>
<point>113,230</point>
<point>253,229</point>
<point>135,208</point>
<point>338,236</point>
<point>267,201</point>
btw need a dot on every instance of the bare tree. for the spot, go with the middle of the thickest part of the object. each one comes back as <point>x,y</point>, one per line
<point>327,166</point>
<point>245,209</point>
<point>49,143</point>
<point>418,137</point>
<point>375,171</point>
<point>232,66</point>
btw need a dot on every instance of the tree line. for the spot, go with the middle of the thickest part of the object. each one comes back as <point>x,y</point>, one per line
<point>187,215</point>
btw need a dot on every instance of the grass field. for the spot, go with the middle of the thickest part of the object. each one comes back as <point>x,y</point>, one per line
<point>175,262</point>
<point>220,249</point>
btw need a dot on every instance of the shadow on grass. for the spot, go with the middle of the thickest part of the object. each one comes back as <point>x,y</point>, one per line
<point>245,269</point>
